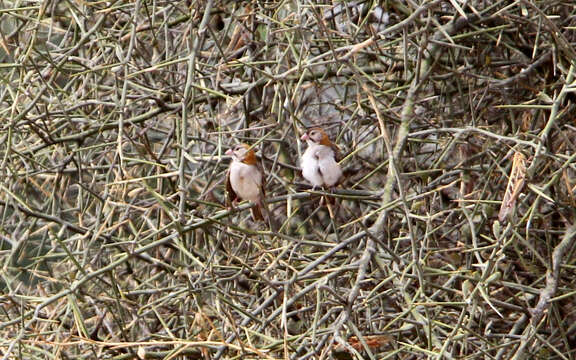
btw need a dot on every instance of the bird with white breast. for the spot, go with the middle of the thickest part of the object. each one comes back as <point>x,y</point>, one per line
<point>245,179</point>
<point>318,162</point>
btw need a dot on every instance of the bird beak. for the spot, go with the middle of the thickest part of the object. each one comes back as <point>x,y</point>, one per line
<point>304,137</point>
<point>229,152</point>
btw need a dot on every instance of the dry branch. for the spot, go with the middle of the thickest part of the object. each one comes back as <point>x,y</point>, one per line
<point>115,241</point>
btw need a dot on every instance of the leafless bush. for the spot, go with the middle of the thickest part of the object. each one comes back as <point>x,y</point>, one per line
<point>115,240</point>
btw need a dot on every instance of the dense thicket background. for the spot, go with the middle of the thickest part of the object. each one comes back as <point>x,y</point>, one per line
<point>114,235</point>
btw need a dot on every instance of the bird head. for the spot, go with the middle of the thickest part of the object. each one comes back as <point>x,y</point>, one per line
<point>242,153</point>
<point>316,136</point>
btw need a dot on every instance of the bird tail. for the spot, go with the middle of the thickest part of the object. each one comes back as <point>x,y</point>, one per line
<point>330,200</point>
<point>267,216</point>
<point>331,203</point>
<point>257,213</point>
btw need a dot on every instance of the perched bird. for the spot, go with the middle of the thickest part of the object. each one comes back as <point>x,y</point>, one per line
<point>245,179</point>
<point>318,162</point>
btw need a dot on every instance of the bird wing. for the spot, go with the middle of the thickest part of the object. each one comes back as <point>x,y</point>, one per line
<point>337,153</point>
<point>231,195</point>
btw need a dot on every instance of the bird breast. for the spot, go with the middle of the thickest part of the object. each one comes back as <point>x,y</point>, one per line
<point>246,181</point>
<point>319,166</point>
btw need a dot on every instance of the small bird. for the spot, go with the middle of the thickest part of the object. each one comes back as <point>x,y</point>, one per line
<point>318,162</point>
<point>245,179</point>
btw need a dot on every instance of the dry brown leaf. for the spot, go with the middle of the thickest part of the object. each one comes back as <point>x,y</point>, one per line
<point>515,185</point>
<point>374,342</point>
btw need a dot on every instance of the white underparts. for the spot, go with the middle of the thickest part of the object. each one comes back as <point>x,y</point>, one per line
<point>246,181</point>
<point>319,166</point>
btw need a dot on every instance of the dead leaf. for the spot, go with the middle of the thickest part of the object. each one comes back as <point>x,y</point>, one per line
<point>374,343</point>
<point>515,185</point>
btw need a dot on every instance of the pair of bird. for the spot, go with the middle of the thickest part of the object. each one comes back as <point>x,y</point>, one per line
<point>245,180</point>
